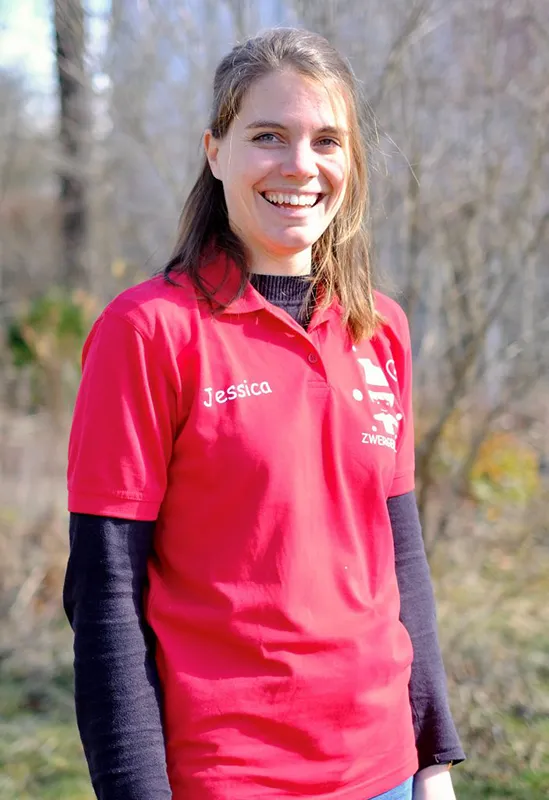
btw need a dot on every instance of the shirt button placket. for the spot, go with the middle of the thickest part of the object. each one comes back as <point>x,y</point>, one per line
<point>313,358</point>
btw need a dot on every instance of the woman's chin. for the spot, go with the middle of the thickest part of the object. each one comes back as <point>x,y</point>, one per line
<point>291,243</point>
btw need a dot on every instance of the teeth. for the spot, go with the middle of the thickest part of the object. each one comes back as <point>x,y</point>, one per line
<point>291,199</point>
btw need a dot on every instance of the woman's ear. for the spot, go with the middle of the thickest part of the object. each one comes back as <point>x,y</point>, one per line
<point>211,148</point>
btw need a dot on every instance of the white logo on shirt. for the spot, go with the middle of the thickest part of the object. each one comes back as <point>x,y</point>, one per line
<point>235,391</point>
<point>379,439</point>
<point>383,401</point>
<point>373,375</point>
<point>391,369</point>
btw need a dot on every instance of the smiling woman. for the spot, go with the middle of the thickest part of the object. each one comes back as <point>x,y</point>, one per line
<point>287,120</point>
<point>284,165</point>
<point>247,582</point>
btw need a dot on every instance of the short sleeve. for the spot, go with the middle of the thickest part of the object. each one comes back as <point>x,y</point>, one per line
<point>404,479</point>
<point>123,425</point>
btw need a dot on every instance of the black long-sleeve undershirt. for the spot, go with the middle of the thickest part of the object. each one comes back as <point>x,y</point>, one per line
<point>437,740</point>
<point>117,690</point>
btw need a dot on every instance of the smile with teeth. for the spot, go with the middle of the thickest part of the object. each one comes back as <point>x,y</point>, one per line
<point>276,198</point>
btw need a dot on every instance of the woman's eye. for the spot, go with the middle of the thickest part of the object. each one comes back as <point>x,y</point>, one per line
<point>266,137</point>
<point>328,142</point>
<point>274,138</point>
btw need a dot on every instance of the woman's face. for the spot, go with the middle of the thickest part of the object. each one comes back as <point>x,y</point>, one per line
<point>284,167</point>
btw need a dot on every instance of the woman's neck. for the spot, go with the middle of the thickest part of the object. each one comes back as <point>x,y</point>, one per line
<point>266,264</point>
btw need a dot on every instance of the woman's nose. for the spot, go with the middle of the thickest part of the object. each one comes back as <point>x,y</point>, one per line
<point>300,161</point>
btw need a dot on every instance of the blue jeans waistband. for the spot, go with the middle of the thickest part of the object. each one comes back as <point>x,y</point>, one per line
<point>402,792</point>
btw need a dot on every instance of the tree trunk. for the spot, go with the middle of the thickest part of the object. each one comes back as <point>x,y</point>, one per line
<point>73,119</point>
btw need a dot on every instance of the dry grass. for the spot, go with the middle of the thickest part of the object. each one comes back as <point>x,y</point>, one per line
<point>492,582</point>
<point>33,532</point>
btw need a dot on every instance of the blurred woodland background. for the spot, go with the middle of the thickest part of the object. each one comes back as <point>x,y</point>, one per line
<point>93,175</point>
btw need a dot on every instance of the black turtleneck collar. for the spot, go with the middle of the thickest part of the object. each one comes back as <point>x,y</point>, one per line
<point>287,292</point>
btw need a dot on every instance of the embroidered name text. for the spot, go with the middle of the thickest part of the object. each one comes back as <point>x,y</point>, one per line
<point>234,391</point>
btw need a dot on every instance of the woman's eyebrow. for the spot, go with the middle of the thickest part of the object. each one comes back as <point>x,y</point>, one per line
<point>265,123</point>
<point>269,123</point>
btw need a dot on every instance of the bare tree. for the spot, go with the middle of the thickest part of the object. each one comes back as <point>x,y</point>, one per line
<point>73,133</point>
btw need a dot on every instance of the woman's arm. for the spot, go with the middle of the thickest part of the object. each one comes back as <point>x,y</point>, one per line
<point>117,689</point>
<point>436,736</point>
<point>434,783</point>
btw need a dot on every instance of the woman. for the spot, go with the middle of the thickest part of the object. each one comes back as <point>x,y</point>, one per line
<point>241,476</point>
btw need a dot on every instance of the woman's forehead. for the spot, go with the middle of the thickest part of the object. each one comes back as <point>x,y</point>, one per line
<point>289,99</point>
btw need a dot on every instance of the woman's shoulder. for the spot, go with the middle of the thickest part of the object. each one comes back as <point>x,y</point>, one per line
<point>154,304</point>
<point>394,316</point>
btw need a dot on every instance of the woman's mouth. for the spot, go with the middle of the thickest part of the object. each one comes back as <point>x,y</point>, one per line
<point>292,199</point>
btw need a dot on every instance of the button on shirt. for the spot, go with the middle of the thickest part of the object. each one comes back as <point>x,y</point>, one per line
<point>273,594</point>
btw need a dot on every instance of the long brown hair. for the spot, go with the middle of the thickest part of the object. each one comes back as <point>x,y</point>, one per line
<point>341,256</point>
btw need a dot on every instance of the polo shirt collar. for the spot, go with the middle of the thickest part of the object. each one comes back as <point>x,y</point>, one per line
<point>333,311</point>
<point>222,275</point>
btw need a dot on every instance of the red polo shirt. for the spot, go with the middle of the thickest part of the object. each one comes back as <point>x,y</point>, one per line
<point>266,453</point>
